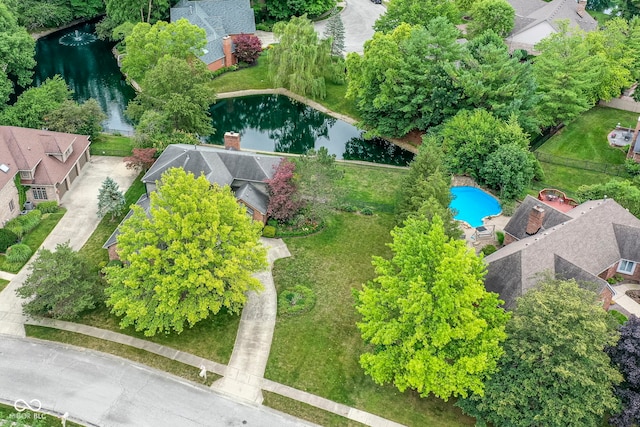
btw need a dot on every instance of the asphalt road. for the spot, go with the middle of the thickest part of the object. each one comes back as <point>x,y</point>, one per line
<point>106,390</point>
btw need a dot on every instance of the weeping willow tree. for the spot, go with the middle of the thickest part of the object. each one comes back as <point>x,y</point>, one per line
<point>299,62</point>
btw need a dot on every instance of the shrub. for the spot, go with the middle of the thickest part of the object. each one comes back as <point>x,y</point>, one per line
<point>7,238</point>
<point>633,167</point>
<point>500,237</point>
<point>48,207</point>
<point>297,300</point>
<point>272,222</point>
<point>615,279</point>
<point>620,318</point>
<point>115,263</point>
<point>366,211</point>
<point>348,208</point>
<point>488,250</point>
<point>508,208</point>
<point>269,231</point>
<point>248,48</point>
<point>24,223</point>
<point>19,253</point>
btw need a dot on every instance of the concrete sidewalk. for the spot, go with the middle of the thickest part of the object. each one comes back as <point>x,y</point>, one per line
<point>621,299</point>
<point>76,226</point>
<point>253,341</point>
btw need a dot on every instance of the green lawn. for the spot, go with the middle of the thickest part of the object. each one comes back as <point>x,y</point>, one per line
<point>372,186</point>
<point>3,284</point>
<point>567,179</point>
<point>35,238</point>
<point>9,415</point>
<point>137,355</point>
<point>585,138</point>
<point>112,145</point>
<point>306,412</point>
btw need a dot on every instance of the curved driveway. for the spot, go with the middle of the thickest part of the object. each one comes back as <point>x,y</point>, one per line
<point>105,390</point>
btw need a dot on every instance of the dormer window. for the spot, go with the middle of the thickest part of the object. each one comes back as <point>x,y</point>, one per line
<point>26,175</point>
<point>626,267</point>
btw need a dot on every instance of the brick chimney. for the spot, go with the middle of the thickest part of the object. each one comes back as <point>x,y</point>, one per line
<point>580,10</point>
<point>227,47</point>
<point>535,220</point>
<point>232,141</point>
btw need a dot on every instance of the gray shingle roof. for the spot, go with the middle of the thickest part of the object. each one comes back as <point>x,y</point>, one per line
<point>253,196</point>
<point>518,222</point>
<point>219,18</point>
<point>598,234</point>
<point>144,202</point>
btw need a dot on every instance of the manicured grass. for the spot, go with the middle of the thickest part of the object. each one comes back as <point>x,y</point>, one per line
<point>586,137</point>
<point>336,101</point>
<point>30,418</point>
<point>112,145</point>
<point>318,351</point>
<point>141,356</point>
<point>255,77</point>
<point>93,250</point>
<point>567,179</point>
<point>306,412</point>
<point>372,186</point>
<point>35,238</point>
<point>3,284</point>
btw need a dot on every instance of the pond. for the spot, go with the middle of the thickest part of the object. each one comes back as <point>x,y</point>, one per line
<point>89,69</point>
<point>280,124</point>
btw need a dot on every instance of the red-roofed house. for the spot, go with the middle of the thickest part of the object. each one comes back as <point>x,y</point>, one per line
<point>47,162</point>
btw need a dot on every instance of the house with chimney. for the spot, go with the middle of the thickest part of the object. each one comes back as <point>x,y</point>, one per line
<point>590,243</point>
<point>537,19</point>
<point>223,21</point>
<point>43,163</point>
<point>244,172</point>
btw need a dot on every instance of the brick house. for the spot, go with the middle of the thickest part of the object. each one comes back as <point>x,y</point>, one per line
<point>245,172</point>
<point>223,21</point>
<point>589,243</point>
<point>45,162</point>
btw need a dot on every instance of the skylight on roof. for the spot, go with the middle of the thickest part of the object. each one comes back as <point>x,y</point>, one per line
<point>4,168</point>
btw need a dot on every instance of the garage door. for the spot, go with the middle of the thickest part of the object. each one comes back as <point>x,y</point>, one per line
<point>73,174</point>
<point>62,188</point>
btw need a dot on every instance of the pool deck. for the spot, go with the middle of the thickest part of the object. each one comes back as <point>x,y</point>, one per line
<point>498,221</point>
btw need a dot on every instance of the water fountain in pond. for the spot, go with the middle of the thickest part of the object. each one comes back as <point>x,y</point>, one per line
<point>77,38</point>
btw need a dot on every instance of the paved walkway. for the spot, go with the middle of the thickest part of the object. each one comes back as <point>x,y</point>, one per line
<point>622,300</point>
<point>76,226</point>
<point>253,342</point>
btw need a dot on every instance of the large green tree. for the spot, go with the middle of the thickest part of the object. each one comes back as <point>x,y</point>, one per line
<point>496,15</point>
<point>176,94</point>
<point>567,76</point>
<point>121,11</point>
<point>17,49</point>
<point>192,255</point>
<point>415,12</point>
<point>493,79</point>
<point>148,43</point>
<point>60,284</point>
<point>554,371</point>
<point>623,191</point>
<point>281,10</point>
<point>509,169</point>
<point>316,176</point>
<point>429,322</point>
<point>300,60</point>
<point>71,117</point>
<point>400,83</point>
<point>36,103</point>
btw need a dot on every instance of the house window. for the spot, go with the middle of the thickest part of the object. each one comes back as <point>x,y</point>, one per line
<point>39,193</point>
<point>626,267</point>
<point>249,211</point>
<point>12,205</point>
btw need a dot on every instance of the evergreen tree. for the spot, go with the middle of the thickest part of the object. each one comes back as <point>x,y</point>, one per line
<point>625,355</point>
<point>335,32</point>
<point>110,199</point>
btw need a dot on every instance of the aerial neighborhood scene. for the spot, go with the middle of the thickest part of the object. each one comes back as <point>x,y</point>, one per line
<point>320,212</point>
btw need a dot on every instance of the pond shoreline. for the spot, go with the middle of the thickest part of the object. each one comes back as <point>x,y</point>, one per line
<point>48,31</point>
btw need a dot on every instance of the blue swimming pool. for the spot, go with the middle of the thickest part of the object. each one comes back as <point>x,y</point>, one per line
<point>473,204</point>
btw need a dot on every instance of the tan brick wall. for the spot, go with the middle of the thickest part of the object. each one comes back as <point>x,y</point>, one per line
<point>51,194</point>
<point>606,297</point>
<point>7,194</point>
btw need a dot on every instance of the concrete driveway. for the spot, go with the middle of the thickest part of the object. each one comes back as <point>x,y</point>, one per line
<point>104,390</point>
<point>76,226</point>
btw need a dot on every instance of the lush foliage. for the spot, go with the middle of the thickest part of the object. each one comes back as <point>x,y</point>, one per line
<point>110,199</point>
<point>141,159</point>
<point>300,60</point>
<point>19,253</point>
<point>335,31</point>
<point>17,49</point>
<point>48,207</point>
<point>281,10</point>
<point>7,238</point>
<point>65,294</point>
<point>191,256</point>
<point>284,200</point>
<point>248,48</point>
<point>495,15</point>
<point>36,103</point>
<point>625,192</point>
<point>625,355</point>
<point>510,170</point>
<point>120,11</point>
<point>38,14</point>
<point>415,12</point>
<point>316,179</point>
<point>148,43</point>
<point>395,89</point>
<point>23,224</point>
<point>82,119</point>
<point>176,96</point>
<point>431,324</point>
<point>554,371</point>
<point>296,300</point>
